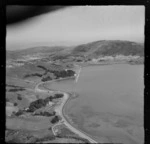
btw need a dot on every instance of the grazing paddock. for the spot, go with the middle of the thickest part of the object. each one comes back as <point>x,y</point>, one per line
<point>42,133</point>
<point>19,82</point>
<point>64,131</point>
<point>13,98</point>
<point>33,123</point>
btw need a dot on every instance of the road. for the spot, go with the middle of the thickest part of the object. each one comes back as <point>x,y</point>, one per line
<point>66,96</point>
<point>59,109</point>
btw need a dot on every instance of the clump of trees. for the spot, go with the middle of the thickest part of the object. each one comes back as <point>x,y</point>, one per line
<point>55,120</point>
<point>19,97</point>
<point>50,98</point>
<point>57,96</point>
<point>42,67</point>
<point>15,104</point>
<point>36,105</point>
<point>47,78</point>
<point>78,60</point>
<point>19,112</point>
<point>57,73</point>
<point>46,113</point>
<point>17,89</point>
<point>63,73</point>
<point>39,104</point>
<point>31,75</point>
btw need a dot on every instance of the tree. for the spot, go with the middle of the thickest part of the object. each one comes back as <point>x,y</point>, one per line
<point>55,119</point>
<point>58,96</point>
<point>18,113</point>
<point>19,97</point>
<point>15,104</point>
<point>47,78</point>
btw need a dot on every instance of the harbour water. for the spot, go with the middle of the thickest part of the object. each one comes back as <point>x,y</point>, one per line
<point>110,102</point>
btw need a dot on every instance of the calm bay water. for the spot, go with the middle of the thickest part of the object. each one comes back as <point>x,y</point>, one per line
<point>111,97</point>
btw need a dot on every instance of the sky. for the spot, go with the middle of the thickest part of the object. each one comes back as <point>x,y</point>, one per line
<point>78,25</point>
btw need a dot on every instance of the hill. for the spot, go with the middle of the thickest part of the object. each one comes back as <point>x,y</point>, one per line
<point>33,51</point>
<point>109,48</point>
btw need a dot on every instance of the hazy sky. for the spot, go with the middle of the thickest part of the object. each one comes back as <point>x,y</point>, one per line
<point>81,24</point>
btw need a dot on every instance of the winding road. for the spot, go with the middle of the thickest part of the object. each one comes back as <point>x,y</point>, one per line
<point>59,110</point>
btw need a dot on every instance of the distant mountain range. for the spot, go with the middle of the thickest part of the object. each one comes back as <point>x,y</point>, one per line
<point>93,49</point>
<point>33,51</point>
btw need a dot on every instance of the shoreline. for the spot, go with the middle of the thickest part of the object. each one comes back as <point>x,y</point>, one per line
<point>109,63</point>
<point>63,114</point>
<point>61,108</point>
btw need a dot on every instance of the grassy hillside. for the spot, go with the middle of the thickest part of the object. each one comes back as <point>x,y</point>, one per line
<point>109,48</point>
